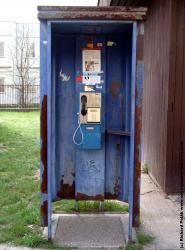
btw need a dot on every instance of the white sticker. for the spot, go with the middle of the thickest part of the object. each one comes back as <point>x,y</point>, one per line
<point>99,86</point>
<point>91,60</point>
<point>91,79</point>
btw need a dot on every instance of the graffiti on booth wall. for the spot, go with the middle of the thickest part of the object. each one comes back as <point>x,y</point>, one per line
<point>63,76</point>
<point>91,167</point>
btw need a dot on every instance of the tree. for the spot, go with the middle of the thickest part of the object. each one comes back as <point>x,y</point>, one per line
<point>23,59</point>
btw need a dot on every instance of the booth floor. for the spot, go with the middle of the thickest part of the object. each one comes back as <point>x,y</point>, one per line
<point>92,231</point>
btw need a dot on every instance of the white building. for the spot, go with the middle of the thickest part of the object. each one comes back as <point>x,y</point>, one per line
<point>19,63</point>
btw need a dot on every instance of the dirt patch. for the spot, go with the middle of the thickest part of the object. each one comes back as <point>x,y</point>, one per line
<point>37,174</point>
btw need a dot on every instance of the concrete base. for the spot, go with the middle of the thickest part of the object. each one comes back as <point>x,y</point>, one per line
<point>160,216</point>
<point>91,231</point>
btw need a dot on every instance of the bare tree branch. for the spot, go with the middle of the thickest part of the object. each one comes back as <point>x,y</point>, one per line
<point>22,62</point>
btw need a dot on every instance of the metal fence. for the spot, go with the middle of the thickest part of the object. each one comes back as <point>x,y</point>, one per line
<point>19,97</point>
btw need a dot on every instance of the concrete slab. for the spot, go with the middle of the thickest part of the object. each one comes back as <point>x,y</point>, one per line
<point>92,231</point>
<point>160,216</point>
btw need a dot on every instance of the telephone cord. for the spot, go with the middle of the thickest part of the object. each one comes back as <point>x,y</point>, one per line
<point>75,133</point>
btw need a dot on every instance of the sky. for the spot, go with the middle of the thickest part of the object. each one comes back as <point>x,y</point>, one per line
<point>26,10</point>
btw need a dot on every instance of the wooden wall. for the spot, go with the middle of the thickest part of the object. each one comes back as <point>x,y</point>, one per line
<point>176,103</point>
<point>155,89</point>
<point>164,93</point>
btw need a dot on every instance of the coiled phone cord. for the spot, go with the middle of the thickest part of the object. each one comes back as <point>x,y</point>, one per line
<point>78,128</point>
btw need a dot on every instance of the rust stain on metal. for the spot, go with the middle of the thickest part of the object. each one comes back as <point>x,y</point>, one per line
<point>93,16</point>
<point>44,143</point>
<point>43,211</point>
<point>110,196</point>
<point>43,185</point>
<point>81,196</point>
<point>116,193</point>
<point>94,13</point>
<point>140,41</point>
<point>114,88</point>
<point>92,8</point>
<point>66,191</point>
<point>137,164</point>
<point>117,187</point>
<point>138,127</point>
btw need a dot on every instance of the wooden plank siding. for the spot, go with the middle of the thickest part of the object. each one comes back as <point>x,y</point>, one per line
<point>176,104</point>
<point>163,97</point>
<point>155,90</point>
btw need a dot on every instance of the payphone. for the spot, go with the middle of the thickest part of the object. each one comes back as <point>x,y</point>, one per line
<point>88,133</point>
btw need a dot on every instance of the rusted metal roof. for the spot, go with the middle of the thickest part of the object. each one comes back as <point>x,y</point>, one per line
<point>93,13</point>
<point>143,3</point>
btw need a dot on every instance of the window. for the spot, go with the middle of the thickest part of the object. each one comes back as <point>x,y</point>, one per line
<point>2,87</point>
<point>1,49</point>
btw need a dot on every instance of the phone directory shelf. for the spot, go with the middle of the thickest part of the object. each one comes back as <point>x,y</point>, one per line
<point>118,132</point>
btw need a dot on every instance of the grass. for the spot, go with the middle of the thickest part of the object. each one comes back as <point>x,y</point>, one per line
<point>88,206</point>
<point>19,185</point>
<point>145,168</point>
<point>143,240</point>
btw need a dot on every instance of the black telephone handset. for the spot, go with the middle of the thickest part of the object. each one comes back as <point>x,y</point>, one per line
<point>84,105</point>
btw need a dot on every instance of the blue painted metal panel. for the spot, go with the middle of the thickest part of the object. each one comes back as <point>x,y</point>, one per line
<point>118,112</point>
<point>132,121</point>
<point>65,122</point>
<point>53,120</point>
<point>49,129</point>
<point>65,115</point>
<point>90,164</point>
<point>43,120</point>
<point>127,94</point>
<point>91,136</point>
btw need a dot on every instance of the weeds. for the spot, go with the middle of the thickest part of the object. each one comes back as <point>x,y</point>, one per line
<point>145,168</point>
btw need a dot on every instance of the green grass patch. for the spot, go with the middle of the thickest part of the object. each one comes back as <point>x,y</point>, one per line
<point>133,247</point>
<point>19,187</point>
<point>144,168</point>
<point>143,240</point>
<point>68,206</point>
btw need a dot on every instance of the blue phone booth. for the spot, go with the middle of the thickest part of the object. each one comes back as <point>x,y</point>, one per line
<point>91,69</point>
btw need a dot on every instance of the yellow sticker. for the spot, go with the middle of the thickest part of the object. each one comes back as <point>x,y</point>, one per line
<point>110,43</point>
<point>89,88</point>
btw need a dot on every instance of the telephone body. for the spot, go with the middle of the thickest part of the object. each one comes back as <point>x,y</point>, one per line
<point>90,105</point>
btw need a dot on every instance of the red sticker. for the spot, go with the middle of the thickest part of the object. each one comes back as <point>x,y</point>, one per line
<point>79,78</point>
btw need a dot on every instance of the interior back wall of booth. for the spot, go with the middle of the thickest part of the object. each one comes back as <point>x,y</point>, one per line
<point>91,174</point>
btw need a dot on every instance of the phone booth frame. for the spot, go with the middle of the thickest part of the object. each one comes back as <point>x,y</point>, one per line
<point>48,15</point>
